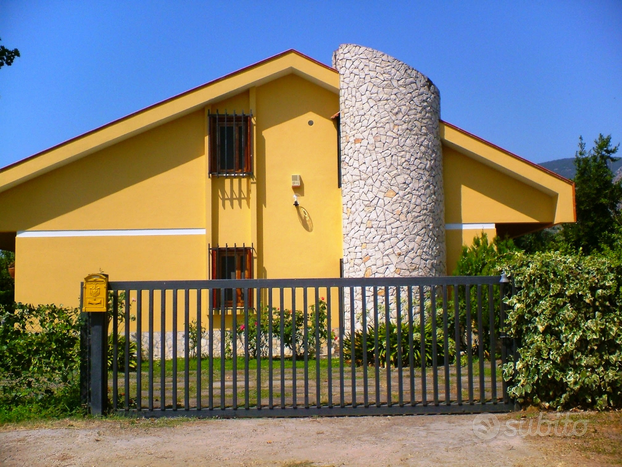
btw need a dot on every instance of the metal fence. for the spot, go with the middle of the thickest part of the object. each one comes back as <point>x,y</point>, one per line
<point>307,347</point>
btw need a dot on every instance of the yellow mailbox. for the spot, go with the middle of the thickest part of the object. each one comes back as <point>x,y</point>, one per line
<point>95,293</point>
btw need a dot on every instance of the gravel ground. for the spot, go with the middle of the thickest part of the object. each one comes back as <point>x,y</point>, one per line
<point>408,440</point>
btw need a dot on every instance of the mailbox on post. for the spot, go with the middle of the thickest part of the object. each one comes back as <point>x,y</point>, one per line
<point>95,293</point>
<point>95,303</point>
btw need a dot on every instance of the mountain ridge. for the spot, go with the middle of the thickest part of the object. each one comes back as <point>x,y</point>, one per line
<point>565,167</point>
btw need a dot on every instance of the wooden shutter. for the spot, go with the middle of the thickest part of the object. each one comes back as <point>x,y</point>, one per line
<point>248,167</point>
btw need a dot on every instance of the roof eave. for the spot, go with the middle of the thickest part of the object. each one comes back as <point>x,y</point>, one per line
<point>290,61</point>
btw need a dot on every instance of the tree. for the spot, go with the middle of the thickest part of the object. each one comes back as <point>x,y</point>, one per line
<point>7,56</point>
<point>543,240</point>
<point>597,197</point>
<point>483,257</point>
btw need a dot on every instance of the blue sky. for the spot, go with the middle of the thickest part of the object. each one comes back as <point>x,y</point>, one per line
<point>529,76</point>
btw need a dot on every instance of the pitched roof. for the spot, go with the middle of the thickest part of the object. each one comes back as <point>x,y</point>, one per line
<point>290,61</point>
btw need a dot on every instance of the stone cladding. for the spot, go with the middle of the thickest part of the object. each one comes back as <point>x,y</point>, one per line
<point>205,347</point>
<point>391,166</point>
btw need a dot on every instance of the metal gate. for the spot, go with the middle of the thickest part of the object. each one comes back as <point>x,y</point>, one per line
<point>305,347</point>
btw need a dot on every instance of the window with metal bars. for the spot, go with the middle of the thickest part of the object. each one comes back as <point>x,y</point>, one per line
<point>230,145</point>
<point>232,263</point>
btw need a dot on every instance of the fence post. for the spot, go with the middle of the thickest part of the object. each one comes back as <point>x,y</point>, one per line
<point>503,282</point>
<point>95,303</point>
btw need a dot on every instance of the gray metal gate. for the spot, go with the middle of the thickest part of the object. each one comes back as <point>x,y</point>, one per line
<point>302,347</point>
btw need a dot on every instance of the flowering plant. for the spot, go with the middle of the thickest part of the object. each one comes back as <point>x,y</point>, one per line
<point>253,335</point>
<point>313,325</point>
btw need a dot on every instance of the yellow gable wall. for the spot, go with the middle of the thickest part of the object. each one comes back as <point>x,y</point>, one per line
<point>288,241</point>
<point>158,180</point>
<point>475,192</point>
<point>231,197</point>
<point>478,194</point>
<point>304,241</point>
<point>155,180</point>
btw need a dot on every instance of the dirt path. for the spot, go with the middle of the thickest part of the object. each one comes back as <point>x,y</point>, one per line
<point>409,440</point>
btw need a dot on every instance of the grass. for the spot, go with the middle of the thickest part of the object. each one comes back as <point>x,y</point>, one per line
<point>226,384</point>
<point>288,363</point>
<point>50,408</point>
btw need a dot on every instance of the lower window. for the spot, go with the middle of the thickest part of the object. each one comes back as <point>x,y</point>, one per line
<point>232,263</point>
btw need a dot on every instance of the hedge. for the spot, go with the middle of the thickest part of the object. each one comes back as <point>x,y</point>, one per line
<point>567,317</point>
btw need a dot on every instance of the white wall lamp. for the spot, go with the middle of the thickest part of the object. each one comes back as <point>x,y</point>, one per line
<point>296,183</point>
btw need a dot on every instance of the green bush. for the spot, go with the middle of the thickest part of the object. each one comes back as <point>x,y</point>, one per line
<point>242,333</point>
<point>7,284</point>
<point>482,258</point>
<point>294,329</point>
<point>121,338</point>
<point>399,345</point>
<point>195,335</point>
<point>39,361</point>
<point>294,325</point>
<point>567,316</point>
<point>133,353</point>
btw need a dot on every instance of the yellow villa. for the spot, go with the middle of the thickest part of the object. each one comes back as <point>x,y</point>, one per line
<point>288,168</point>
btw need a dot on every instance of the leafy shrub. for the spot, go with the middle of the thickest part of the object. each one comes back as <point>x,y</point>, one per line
<point>122,315</point>
<point>133,357</point>
<point>39,360</point>
<point>195,335</point>
<point>294,325</point>
<point>7,284</point>
<point>243,333</point>
<point>396,346</point>
<point>567,315</point>
<point>482,258</point>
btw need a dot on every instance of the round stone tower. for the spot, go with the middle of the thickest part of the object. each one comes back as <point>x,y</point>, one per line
<point>391,166</point>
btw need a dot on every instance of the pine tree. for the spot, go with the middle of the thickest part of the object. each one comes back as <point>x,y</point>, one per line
<point>597,198</point>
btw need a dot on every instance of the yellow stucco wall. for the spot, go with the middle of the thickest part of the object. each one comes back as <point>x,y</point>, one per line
<point>158,180</point>
<point>479,196</point>
<point>151,181</point>
<point>491,172</point>
<point>475,192</point>
<point>304,241</point>
<point>231,197</point>
<point>49,270</point>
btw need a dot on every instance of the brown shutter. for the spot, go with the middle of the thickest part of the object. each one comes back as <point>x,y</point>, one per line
<point>247,149</point>
<point>249,272</point>
<point>212,147</point>
<point>249,263</point>
<point>215,293</point>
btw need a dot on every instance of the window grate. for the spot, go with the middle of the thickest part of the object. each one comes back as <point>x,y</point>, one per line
<point>234,262</point>
<point>230,144</point>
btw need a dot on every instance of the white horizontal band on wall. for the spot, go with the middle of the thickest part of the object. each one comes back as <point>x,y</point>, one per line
<point>107,233</point>
<point>469,226</point>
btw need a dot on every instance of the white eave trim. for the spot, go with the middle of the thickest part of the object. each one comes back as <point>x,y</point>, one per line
<point>470,226</point>
<point>108,233</point>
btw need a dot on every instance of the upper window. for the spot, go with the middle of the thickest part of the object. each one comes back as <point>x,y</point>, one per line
<point>230,145</point>
<point>232,263</point>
